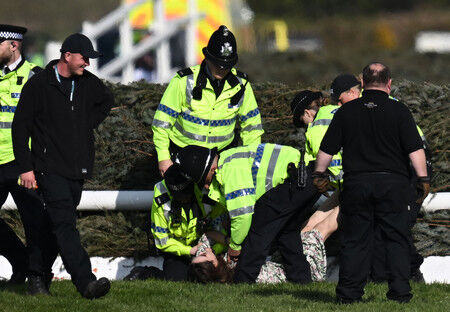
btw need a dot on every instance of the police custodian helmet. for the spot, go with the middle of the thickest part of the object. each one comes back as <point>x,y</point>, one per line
<point>222,48</point>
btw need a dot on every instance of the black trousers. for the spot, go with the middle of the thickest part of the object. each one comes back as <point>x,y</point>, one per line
<point>175,267</point>
<point>61,197</point>
<point>33,258</point>
<point>277,219</point>
<point>379,271</point>
<point>370,201</point>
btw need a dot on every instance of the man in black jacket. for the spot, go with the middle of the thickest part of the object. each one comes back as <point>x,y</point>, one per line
<point>59,109</point>
<point>379,137</point>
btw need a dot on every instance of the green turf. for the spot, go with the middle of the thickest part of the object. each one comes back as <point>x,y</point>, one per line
<point>169,296</point>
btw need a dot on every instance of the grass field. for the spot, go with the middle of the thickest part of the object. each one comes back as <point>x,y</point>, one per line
<point>169,296</point>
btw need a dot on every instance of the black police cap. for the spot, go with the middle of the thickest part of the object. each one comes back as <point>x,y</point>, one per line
<point>222,49</point>
<point>301,102</point>
<point>195,162</point>
<point>11,32</point>
<point>342,83</point>
<point>79,43</point>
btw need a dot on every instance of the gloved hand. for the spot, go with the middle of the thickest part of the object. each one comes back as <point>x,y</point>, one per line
<point>321,181</point>
<point>422,188</point>
<point>233,255</point>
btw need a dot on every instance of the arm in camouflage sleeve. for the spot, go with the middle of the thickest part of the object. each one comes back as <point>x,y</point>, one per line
<point>165,117</point>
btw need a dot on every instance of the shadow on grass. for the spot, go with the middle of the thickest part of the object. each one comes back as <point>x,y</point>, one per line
<point>305,294</point>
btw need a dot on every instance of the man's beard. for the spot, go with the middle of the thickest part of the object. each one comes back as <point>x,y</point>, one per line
<point>3,62</point>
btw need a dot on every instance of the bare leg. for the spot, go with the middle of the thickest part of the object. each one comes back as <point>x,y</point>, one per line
<point>329,224</point>
<point>323,212</point>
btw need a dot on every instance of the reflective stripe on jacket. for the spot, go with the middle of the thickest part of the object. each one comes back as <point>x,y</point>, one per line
<point>314,135</point>
<point>244,174</point>
<point>11,86</point>
<point>207,122</point>
<point>176,239</point>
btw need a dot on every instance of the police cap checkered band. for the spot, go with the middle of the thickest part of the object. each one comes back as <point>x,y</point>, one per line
<point>11,32</point>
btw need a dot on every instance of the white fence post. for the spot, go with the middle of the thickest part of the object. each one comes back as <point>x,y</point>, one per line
<point>162,51</point>
<point>126,47</point>
<point>87,29</point>
<point>191,36</point>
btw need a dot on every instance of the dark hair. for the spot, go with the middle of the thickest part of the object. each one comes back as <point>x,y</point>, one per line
<point>376,74</point>
<point>206,272</point>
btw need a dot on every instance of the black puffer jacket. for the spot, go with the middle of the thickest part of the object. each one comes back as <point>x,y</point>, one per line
<point>61,131</point>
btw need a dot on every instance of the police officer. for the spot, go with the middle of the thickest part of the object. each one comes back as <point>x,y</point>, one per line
<point>310,110</point>
<point>264,205</point>
<point>15,72</point>
<point>346,88</point>
<point>179,217</point>
<point>177,214</point>
<point>203,103</point>
<point>377,135</point>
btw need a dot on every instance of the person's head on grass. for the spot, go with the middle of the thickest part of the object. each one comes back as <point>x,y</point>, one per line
<point>208,268</point>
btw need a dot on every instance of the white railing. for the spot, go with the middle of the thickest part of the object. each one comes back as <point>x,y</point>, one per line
<point>142,200</point>
<point>160,33</point>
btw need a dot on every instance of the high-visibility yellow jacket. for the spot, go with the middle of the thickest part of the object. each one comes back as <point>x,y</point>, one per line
<point>187,116</point>
<point>243,175</point>
<point>178,238</point>
<point>314,135</point>
<point>11,86</point>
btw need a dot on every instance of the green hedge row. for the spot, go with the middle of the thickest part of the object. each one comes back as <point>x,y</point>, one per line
<point>126,158</point>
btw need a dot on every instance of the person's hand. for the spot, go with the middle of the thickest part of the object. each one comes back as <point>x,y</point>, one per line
<point>423,189</point>
<point>320,181</point>
<point>28,180</point>
<point>193,250</point>
<point>163,165</point>
<point>233,255</point>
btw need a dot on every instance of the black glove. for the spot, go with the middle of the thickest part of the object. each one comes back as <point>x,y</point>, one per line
<point>321,181</point>
<point>422,188</point>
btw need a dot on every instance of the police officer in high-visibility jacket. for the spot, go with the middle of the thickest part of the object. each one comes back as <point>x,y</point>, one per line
<point>308,111</point>
<point>14,73</point>
<point>203,103</point>
<point>179,218</point>
<point>311,110</point>
<point>264,202</point>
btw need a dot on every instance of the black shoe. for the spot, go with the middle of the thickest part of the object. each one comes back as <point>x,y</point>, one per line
<point>48,280</point>
<point>17,278</point>
<point>36,286</point>
<point>340,300</point>
<point>417,276</point>
<point>97,289</point>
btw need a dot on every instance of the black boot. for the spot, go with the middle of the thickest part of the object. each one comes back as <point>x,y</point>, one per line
<point>48,280</point>
<point>36,285</point>
<point>17,278</point>
<point>97,289</point>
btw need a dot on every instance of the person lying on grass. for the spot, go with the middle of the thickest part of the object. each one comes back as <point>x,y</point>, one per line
<point>207,267</point>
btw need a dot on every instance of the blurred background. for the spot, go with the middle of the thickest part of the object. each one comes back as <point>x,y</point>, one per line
<point>289,41</point>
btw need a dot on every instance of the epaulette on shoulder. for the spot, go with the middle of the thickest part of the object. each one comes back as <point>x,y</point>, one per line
<point>241,74</point>
<point>162,199</point>
<point>36,69</point>
<point>184,72</point>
